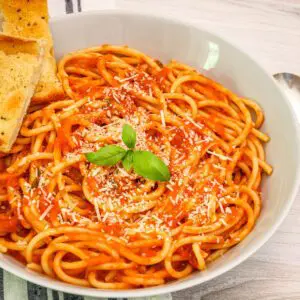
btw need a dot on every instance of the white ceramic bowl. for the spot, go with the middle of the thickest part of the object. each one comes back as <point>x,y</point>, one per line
<point>165,38</point>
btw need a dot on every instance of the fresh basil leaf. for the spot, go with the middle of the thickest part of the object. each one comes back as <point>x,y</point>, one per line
<point>106,156</point>
<point>150,166</point>
<point>128,136</point>
<point>128,160</point>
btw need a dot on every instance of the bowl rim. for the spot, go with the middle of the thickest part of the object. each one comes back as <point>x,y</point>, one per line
<point>180,285</point>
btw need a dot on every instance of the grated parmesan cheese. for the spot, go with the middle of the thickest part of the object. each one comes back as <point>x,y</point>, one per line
<point>222,157</point>
<point>45,213</point>
<point>163,120</point>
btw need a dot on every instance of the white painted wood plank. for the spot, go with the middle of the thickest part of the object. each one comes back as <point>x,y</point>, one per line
<point>88,5</point>
<point>56,7</point>
<point>266,29</point>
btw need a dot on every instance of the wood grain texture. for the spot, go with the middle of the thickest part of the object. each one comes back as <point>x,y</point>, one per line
<point>269,30</point>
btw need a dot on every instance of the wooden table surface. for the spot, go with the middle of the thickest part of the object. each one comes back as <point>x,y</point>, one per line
<point>269,30</point>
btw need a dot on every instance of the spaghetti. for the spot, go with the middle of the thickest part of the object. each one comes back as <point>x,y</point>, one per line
<point>108,228</point>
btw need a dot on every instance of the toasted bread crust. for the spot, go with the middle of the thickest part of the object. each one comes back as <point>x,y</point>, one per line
<point>29,19</point>
<point>21,64</point>
<point>13,45</point>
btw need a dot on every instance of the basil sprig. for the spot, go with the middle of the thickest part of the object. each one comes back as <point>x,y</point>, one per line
<point>144,163</point>
<point>129,136</point>
<point>106,156</point>
<point>150,166</point>
<point>128,160</point>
